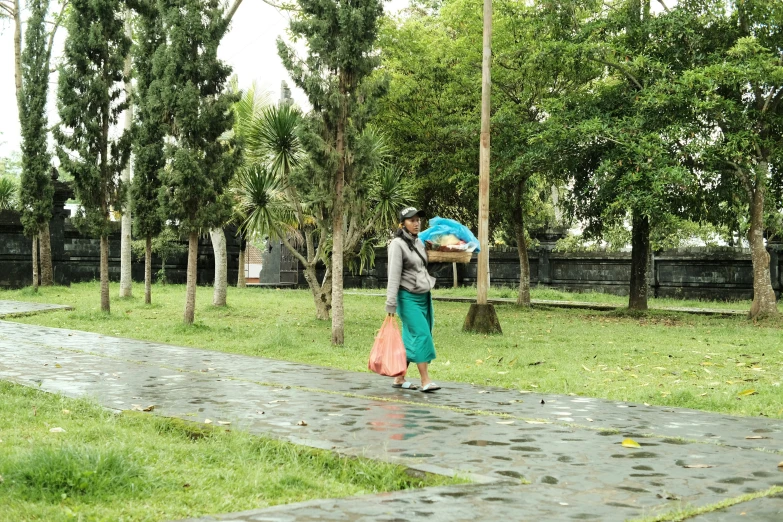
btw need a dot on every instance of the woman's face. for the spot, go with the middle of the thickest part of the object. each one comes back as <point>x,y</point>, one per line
<point>413,225</point>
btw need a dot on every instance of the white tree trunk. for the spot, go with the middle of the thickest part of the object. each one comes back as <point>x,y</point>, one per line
<point>221,266</point>
<point>126,288</point>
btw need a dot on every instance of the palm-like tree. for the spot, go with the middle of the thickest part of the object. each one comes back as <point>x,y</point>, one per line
<point>272,203</point>
<point>8,193</point>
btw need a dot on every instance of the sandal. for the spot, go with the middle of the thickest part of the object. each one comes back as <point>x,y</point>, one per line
<point>406,386</point>
<point>431,387</point>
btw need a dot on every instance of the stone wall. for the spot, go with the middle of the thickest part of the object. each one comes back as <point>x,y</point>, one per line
<point>696,273</point>
<point>76,257</point>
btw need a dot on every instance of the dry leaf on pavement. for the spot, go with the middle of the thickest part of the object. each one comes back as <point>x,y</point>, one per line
<point>301,423</point>
<point>630,443</point>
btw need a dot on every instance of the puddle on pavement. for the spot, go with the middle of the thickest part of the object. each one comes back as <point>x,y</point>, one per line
<point>565,458</point>
<point>643,468</point>
<point>524,439</point>
<point>485,443</point>
<point>636,455</point>
<point>632,490</point>
<point>525,448</point>
<point>510,473</point>
<point>735,480</point>
<point>417,455</point>
<point>549,480</point>
<point>498,457</point>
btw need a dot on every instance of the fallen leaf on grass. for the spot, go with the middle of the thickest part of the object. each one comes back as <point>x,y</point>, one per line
<point>207,421</point>
<point>698,466</point>
<point>301,423</point>
<point>747,392</point>
<point>630,443</point>
<point>587,369</point>
<point>67,412</point>
<point>479,361</point>
<point>57,430</point>
<point>224,423</point>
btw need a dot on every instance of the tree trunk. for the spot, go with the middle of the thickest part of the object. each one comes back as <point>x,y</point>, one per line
<point>523,298</point>
<point>148,271</point>
<point>47,271</point>
<point>105,306</point>
<point>764,304</point>
<point>126,282</point>
<point>35,264</point>
<point>338,319</point>
<point>241,280</point>
<point>190,297</point>
<point>640,257</point>
<point>18,57</point>
<point>320,292</point>
<point>221,266</point>
<point>482,276</point>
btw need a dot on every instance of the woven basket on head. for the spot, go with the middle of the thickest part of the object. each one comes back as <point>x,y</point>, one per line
<point>435,256</point>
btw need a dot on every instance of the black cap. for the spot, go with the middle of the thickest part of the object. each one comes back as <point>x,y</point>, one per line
<point>410,212</point>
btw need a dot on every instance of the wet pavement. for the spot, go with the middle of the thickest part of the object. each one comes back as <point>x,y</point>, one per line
<point>530,456</point>
<point>19,308</point>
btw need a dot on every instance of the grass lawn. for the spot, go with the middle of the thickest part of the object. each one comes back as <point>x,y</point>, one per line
<point>135,466</point>
<point>552,294</point>
<point>727,365</point>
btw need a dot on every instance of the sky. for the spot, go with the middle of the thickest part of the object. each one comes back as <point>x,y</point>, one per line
<point>249,48</point>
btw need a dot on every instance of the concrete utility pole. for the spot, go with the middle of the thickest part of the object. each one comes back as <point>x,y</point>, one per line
<point>482,317</point>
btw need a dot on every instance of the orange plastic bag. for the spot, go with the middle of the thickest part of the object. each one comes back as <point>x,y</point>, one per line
<point>388,353</point>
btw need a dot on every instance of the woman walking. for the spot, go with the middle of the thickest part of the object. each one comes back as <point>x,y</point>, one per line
<point>408,294</point>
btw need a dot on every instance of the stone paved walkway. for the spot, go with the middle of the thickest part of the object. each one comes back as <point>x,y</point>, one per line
<point>18,308</point>
<point>559,459</point>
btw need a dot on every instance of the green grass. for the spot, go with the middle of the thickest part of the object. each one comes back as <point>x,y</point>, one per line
<point>135,466</point>
<point>551,294</point>
<point>660,358</point>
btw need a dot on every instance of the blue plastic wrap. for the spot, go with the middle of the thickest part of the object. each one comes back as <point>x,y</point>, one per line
<point>440,227</point>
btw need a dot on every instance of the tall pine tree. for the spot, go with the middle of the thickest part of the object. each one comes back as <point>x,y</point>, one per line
<point>340,37</point>
<point>90,100</point>
<point>193,89</point>
<point>36,190</point>
<point>149,133</point>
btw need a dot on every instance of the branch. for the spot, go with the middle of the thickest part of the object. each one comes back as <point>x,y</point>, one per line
<point>7,9</point>
<point>743,177</point>
<point>664,6</point>
<point>232,10</point>
<point>290,247</point>
<point>57,23</point>
<point>620,68</point>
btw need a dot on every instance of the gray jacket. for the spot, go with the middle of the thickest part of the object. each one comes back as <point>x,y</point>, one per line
<point>406,270</point>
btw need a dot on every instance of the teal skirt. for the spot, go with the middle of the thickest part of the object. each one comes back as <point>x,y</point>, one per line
<point>418,318</point>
